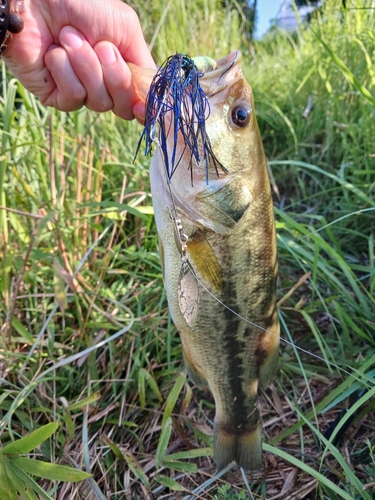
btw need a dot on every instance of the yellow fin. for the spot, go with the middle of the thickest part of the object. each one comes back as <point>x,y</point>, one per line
<point>270,344</point>
<point>244,448</point>
<point>204,261</point>
<point>196,377</point>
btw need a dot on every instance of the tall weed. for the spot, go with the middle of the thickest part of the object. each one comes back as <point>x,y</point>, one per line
<point>86,337</point>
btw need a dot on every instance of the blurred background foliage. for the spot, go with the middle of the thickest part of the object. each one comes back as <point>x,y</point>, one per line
<point>86,339</point>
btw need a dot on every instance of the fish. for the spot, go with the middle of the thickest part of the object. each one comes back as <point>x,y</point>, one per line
<point>215,221</point>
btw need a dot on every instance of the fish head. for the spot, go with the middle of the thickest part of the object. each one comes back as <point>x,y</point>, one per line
<point>232,126</point>
<point>217,195</point>
<point>230,120</point>
<point>209,141</point>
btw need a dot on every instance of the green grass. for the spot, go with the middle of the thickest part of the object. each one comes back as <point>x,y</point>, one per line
<point>86,339</point>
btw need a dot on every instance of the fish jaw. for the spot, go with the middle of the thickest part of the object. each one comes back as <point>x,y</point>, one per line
<point>231,346</point>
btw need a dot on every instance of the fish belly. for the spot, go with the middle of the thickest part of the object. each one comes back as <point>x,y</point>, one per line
<point>230,334</point>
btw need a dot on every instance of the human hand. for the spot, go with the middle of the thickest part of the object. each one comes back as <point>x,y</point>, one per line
<point>72,53</point>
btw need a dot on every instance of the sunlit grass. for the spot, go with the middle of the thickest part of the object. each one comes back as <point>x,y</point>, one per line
<point>87,341</point>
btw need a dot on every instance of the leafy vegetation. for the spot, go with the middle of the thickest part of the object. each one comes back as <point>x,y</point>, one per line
<point>15,469</point>
<point>86,339</point>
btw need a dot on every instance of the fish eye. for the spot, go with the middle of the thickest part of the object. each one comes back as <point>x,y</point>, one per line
<point>241,115</point>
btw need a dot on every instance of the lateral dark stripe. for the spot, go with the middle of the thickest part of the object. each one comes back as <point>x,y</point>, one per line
<point>234,348</point>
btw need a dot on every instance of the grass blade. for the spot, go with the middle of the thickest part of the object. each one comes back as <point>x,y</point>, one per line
<point>54,472</point>
<point>31,441</point>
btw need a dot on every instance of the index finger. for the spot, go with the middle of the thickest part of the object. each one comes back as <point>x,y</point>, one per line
<point>133,46</point>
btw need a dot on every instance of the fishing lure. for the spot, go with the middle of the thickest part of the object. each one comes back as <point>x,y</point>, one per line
<point>176,104</point>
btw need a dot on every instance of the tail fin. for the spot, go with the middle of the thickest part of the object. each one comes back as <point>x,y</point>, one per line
<point>244,448</point>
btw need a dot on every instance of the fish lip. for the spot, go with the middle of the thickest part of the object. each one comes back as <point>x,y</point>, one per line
<point>227,73</point>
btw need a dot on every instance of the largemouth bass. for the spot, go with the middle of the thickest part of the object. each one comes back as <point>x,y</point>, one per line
<point>218,250</point>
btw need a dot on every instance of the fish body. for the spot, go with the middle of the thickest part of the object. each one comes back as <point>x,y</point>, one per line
<point>228,268</point>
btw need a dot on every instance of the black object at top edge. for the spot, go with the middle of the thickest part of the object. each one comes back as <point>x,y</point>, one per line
<point>4,19</point>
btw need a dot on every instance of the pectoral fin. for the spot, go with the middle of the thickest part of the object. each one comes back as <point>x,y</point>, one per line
<point>204,261</point>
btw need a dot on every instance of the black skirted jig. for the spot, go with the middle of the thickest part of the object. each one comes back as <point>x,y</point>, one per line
<point>176,103</point>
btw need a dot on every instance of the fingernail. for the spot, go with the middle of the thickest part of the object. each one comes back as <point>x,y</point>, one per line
<point>106,54</point>
<point>71,38</point>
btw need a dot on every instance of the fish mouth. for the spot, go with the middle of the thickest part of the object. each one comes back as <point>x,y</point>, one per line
<point>227,72</point>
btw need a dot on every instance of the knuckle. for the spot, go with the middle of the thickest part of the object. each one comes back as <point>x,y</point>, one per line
<point>132,16</point>
<point>133,22</point>
<point>67,107</point>
<point>99,107</point>
<point>60,104</point>
<point>125,114</point>
<point>73,102</point>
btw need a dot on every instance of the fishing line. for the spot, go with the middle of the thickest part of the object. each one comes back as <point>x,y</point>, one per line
<point>284,340</point>
<point>292,344</point>
<point>163,150</point>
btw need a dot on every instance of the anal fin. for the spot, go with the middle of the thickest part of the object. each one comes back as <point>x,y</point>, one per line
<point>196,377</point>
<point>268,367</point>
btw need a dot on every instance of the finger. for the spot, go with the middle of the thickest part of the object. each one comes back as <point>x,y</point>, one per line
<point>139,111</point>
<point>68,94</point>
<point>133,46</point>
<point>86,65</point>
<point>118,80</point>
